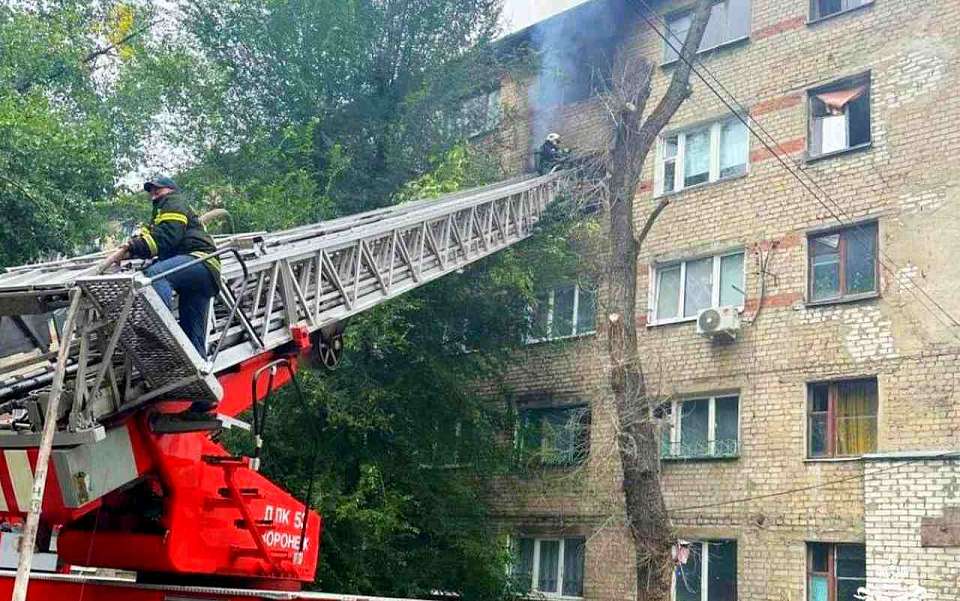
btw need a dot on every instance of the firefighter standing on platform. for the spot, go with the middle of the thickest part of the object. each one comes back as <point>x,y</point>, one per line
<point>551,154</point>
<point>174,237</point>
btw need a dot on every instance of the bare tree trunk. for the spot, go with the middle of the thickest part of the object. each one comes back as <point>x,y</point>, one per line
<point>638,443</point>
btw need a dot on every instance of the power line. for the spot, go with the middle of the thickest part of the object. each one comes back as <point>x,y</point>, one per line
<point>883,258</point>
<point>781,493</point>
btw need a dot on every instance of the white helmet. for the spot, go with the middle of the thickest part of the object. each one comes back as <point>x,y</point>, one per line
<point>553,137</point>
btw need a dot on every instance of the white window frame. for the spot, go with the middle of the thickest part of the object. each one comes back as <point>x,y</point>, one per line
<point>535,584</point>
<point>654,320</point>
<point>716,127</point>
<point>590,329</point>
<point>674,425</point>
<point>704,569</point>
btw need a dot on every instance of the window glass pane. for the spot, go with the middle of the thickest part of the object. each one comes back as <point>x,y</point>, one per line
<point>530,435</point>
<point>825,262</point>
<point>819,589</point>
<point>696,158</point>
<point>716,32</point>
<point>833,133</point>
<point>722,571</point>
<point>698,287</point>
<point>818,435</point>
<point>738,19</point>
<point>856,417</point>
<point>819,557</point>
<point>538,317</point>
<point>549,564</point>
<point>573,555</point>
<point>860,268</point>
<point>819,397</point>
<point>665,414</point>
<point>562,312</point>
<point>687,577</point>
<point>828,7</point>
<point>858,118</point>
<point>694,427</point>
<point>669,175</point>
<point>586,311</point>
<point>731,281</point>
<point>733,148</point>
<point>670,147</point>
<point>668,292</point>
<point>523,563</point>
<point>678,26</point>
<point>727,414</point>
<point>851,561</point>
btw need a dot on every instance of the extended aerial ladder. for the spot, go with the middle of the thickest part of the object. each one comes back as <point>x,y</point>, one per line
<point>130,490</point>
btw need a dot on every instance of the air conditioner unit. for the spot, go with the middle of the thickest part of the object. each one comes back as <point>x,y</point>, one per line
<point>722,321</point>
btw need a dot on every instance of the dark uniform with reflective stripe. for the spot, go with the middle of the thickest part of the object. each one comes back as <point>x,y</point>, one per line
<point>174,230</point>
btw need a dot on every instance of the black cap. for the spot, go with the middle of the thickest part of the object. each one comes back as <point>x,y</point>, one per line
<point>161,182</point>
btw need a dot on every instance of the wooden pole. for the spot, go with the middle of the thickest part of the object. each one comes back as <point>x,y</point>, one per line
<point>29,537</point>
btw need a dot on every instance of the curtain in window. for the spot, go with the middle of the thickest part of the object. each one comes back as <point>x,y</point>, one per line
<point>573,555</point>
<point>698,287</point>
<point>696,158</point>
<point>668,292</point>
<point>549,563</point>
<point>523,563</point>
<point>837,100</point>
<point>734,142</point>
<point>856,417</point>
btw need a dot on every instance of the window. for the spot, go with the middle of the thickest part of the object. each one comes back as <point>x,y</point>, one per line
<point>839,116</point>
<point>684,289</point>
<point>709,574</point>
<point>729,22</point>
<point>552,567</point>
<point>821,9</point>
<point>842,418</point>
<point>706,154</point>
<point>563,312</point>
<point>478,114</point>
<point>843,264</point>
<point>554,436</point>
<point>696,428</point>
<point>835,572</point>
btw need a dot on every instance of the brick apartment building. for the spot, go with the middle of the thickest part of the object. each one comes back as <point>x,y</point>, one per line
<point>806,456</point>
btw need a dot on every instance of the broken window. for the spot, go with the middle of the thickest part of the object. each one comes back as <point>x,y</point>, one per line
<point>840,116</point>
<point>844,264</point>
<point>707,153</point>
<point>563,312</point>
<point>684,289</point>
<point>701,428</point>
<point>553,436</point>
<point>842,418</point>
<point>835,571</point>
<point>479,114</point>
<point>709,574</point>
<point>729,22</point>
<point>821,9</point>
<point>552,567</point>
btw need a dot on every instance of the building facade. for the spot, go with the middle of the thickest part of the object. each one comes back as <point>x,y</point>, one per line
<point>811,444</point>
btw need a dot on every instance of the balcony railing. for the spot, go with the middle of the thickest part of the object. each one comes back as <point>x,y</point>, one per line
<point>701,449</point>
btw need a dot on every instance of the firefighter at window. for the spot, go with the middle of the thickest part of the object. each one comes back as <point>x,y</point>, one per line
<point>175,236</point>
<point>551,154</point>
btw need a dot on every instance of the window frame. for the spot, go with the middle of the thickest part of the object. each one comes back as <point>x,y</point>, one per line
<point>714,174</point>
<point>657,269</point>
<point>534,590</point>
<point>842,297</point>
<point>676,433</point>
<point>676,15</point>
<point>704,566</point>
<point>526,457</point>
<point>831,573</point>
<point>865,78</point>
<point>831,414</point>
<point>814,16</point>
<point>574,323</point>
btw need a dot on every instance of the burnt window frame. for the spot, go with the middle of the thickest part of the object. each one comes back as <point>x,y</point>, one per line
<point>831,417</point>
<point>843,297</point>
<point>814,15</point>
<point>534,456</point>
<point>865,78</point>
<point>831,574</point>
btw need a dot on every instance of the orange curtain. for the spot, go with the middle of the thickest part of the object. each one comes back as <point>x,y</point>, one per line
<point>835,101</point>
<point>856,414</point>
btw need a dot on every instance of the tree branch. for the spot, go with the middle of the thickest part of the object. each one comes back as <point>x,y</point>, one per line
<point>105,49</point>
<point>651,219</point>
